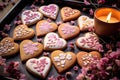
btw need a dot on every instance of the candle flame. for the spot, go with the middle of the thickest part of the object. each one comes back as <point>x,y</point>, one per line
<point>109,16</point>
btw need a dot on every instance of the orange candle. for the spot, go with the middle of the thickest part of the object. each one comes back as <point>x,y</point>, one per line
<point>107,21</point>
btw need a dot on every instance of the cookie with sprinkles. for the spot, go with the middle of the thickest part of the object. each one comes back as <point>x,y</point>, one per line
<point>50,11</point>
<point>22,32</point>
<point>84,23</point>
<point>89,41</point>
<point>63,60</point>
<point>67,31</point>
<point>69,14</point>
<point>53,42</point>
<point>43,27</point>
<point>39,67</point>
<point>29,17</point>
<point>30,49</point>
<point>8,47</point>
<point>84,59</point>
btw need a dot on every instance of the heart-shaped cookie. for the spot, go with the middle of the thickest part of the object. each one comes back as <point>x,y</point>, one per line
<point>50,11</point>
<point>84,59</point>
<point>43,27</point>
<point>68,14</point>
<point>8,47</point>
<point>63,60</point>
<point>29,17</point>
<point>84,22</point>
<point>22,32</point>
<point>53,42</point>
<point>89,41</point>
<point>39,67</point>
<point>67,31</point>
<point>29,49</point>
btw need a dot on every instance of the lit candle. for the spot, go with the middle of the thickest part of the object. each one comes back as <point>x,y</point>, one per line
<point>108,18</point>
<point>107,21</point>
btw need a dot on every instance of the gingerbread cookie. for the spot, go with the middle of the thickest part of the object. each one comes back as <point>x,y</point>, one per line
<point>50,11</point>
<point>63,60</point>
<point>67,31</point>
<point>85,23</point>
<point>22,32</point>
<point>8,47</point>
<point>69,14</point>
<point>39,67</point>
<point>89,41</point>
<point>29,49</point>
<point>53,42</point>
<point>43,27</point>
<point>29,17</point>
<point>84,59</point>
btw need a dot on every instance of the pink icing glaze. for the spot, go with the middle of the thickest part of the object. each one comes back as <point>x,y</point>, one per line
<point>45,26</point>
<point>40,65</point>
<point>30,48</point>
<point>29,16</point>
<point>53,40</point>
<point>50,10</point>
<point>68,29</point>
<point>92,41</point>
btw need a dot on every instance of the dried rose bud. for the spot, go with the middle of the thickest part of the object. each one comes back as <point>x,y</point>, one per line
<point>68,74</point>
<point>72,22</point>
<point>75,68</point>
<point>59,22</point>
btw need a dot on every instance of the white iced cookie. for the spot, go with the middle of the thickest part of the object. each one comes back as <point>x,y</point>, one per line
<point>50,11</point>
<point>39,67</point>
<point>84,22</point>
<point>53,42</point>
<point>29,17</point>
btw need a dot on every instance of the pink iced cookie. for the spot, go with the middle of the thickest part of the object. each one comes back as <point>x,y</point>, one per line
<point>89,41</point>
<point>53,42</point>
<point>39,67</point>
<point>30,49</point>
<point>29,17</point>
<point>50,11</point>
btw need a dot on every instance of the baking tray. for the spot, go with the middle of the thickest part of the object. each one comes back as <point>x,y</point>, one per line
<point>25,4</point>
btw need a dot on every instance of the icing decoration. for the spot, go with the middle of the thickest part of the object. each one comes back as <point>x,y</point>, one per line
<point>53,41</point>
<point>6,47</point>
<point>21,31</point>
<point>29,16</point>
<point>68,29</point>
<point>39,66</point>
<point>45,27</point>
<point>85,22</point>
<point>61,59</point>
<point>90,41</point>
<point>68,12</point>
<point>50,10</point>
<point>30,48</point>
<point>87,59</point>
